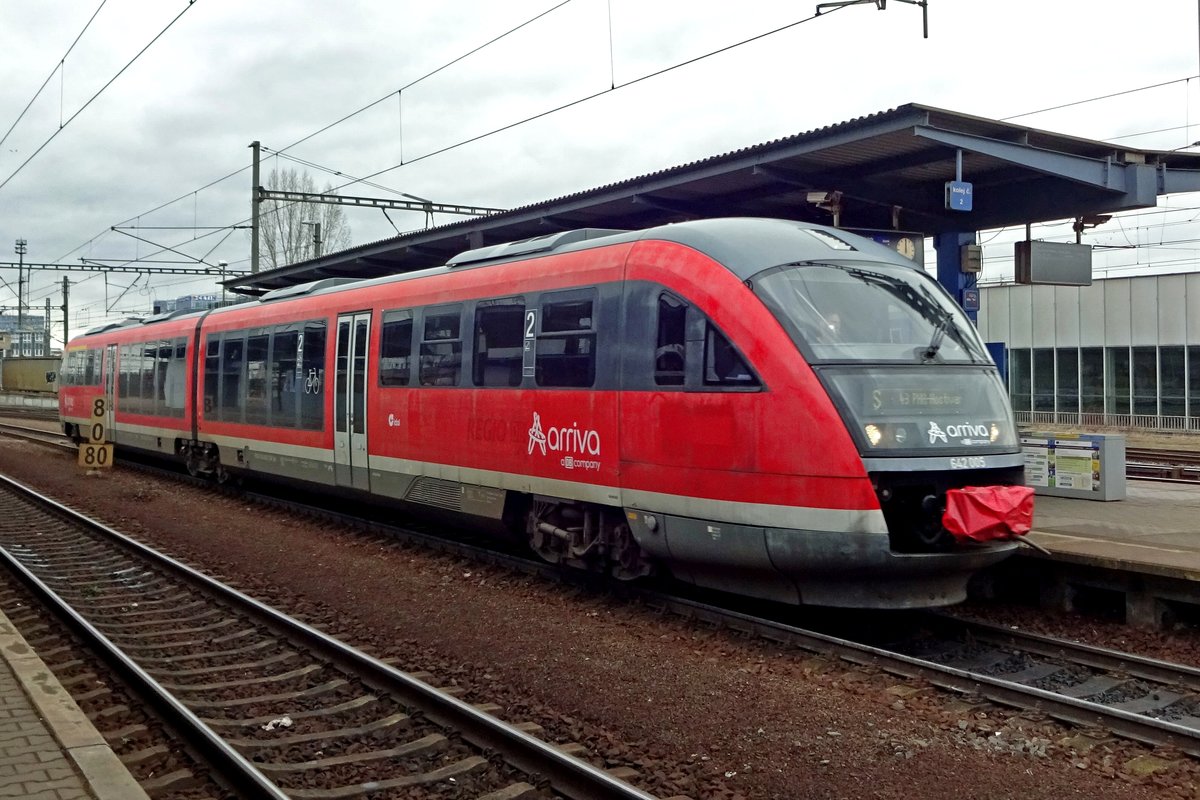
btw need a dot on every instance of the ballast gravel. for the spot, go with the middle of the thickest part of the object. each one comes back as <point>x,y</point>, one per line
<point>698,712</point>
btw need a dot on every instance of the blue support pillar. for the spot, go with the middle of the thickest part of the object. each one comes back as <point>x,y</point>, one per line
<point>949,270</point>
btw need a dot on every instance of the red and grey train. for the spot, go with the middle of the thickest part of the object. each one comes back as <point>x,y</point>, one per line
<point>765,407</point>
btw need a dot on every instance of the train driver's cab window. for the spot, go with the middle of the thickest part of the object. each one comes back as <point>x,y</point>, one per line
<point>80,368</point>
<point>499,341</point>
<point>566,346</point>
<point>724,365</point>
<point>395,352</point>
<point>70,368</point>
<point>671,344</point>
<point>441,346</point>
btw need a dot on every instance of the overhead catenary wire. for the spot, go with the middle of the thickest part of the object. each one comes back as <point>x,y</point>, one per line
<point>508,126</point>
<point>345,118</point>
<point>91,99</point>
<point>58,66</point>
<point>366,180</point>
<point>1098,97</point>
<point>613,87</point>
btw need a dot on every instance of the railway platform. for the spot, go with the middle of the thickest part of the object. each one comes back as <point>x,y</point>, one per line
<point>1143,551</point>
<point>49,750</point>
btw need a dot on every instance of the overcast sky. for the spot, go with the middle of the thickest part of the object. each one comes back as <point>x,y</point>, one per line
<point>227,73</point>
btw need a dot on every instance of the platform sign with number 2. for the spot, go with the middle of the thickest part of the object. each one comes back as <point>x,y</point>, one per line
<point>95,453</point>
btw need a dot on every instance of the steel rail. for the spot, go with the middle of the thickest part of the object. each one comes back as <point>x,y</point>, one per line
<point>36,435</point>
<point>1068,709</point>
<point>571,776</point>
<point>1101,658</point>
<point>246,777</point>
<point>1081,712</point>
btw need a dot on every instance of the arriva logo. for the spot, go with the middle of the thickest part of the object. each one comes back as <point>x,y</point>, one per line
<point>935,433</point>
<point>574,442</point>
<point>963,430</point>
<point>536,437</point>
<point>967,429</point>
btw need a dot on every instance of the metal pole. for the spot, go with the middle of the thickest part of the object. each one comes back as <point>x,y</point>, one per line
<point>46,332</point>
<point>21,247</point>
<point>254,205</point>
<point>316,240</point>
<point>66,316</point>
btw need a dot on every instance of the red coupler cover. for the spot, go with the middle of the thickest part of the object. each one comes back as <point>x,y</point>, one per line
<point>983,513</point>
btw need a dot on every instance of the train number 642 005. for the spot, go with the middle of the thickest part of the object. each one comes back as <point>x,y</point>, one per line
<point>968,462</point>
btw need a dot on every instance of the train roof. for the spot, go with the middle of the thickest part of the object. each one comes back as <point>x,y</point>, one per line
<point>744,246</point>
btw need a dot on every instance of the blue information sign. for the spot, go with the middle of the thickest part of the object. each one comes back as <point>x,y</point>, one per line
<point>958,195</point>
<point>970,300</point>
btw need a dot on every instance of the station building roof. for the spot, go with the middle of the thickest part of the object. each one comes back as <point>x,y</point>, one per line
<point>884,171</point>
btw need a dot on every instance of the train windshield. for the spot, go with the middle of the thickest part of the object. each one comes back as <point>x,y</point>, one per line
<point>869,312</point>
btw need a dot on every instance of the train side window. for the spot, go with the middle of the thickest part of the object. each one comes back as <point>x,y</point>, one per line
<point>441,346</point>
<point>157,355</point>
<point>122,378</point>
<point>499,340</point>
<point>341,376</point>
<point>91,375</point>
<point>130,381</point>
<point>233,363</point>
<point>175,378</point>
<point>723,364</point>
<point>395,351</point>
<point>212,375</point>
<point>566,347</point>
<point>671,345</point>
<point>258,407</point>
<point>285,368</point>
<point>311,353</point>
<point>149,352</point>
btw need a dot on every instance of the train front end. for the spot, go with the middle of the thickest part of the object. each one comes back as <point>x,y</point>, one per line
<point>929,414</point>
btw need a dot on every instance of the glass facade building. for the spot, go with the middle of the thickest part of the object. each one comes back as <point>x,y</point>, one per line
<point>1122,352</point>
<point>29,341</point>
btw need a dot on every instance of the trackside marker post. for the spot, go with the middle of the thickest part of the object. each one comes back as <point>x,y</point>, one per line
<point>96,453</point>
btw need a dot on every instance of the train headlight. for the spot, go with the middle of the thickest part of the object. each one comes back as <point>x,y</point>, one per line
<point>995,432</point>
<point>874,435</point>
<point>901,435</point>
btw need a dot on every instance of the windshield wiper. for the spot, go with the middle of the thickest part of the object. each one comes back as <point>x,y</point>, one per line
<point>939,333</point>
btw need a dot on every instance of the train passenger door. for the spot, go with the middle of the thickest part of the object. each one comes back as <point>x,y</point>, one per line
<point>350,402</point>
<point>110,361</point>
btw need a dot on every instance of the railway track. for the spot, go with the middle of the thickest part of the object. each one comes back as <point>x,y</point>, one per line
<point>1176,466</point>
<point>1154,702</point>
<point>280,709</point>
<point>1149,701</point>
<point>36,434</point>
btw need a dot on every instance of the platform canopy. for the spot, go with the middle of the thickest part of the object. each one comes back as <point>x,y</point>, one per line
<point>886,171</point>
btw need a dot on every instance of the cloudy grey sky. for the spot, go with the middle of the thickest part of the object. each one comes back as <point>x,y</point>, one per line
<point>226,73</point>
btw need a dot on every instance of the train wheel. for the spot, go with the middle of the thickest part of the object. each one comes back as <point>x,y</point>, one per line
<point>589,537</point>
<point>542,532</point>
<point>629,559</point>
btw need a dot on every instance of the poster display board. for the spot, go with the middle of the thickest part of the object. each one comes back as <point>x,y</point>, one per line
<point>1090,466</point>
